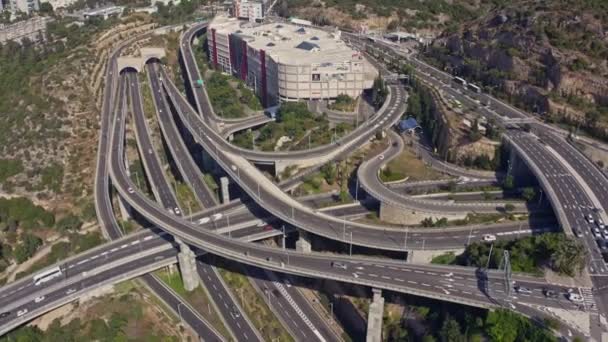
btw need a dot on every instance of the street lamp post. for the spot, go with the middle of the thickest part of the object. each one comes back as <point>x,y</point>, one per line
<point>350,250</point>
<point>489,256</point>
<point>469,238</point>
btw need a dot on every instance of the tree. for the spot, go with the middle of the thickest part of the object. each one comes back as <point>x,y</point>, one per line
<point>528,193</point>
<point>450,330</point>
<point>502,326</point>
<point>329,173</point>
<point>568,257</point>
<point>27,247</point>
<point>46,7</point>
<point>69,222</point>
<point>509,207</point>
<point>427,222</point>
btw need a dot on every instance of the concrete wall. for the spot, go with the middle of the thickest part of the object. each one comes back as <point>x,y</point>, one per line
<point>398,215</point>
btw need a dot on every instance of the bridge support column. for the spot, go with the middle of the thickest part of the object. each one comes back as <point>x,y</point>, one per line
<point>231,137</point>
<point>303,243</point>
<point>225,191</point>
<point>125,209</point>
<point>208,163</point>
<point>517,168</point>
<point>187,266</point>
<point>374,317</point>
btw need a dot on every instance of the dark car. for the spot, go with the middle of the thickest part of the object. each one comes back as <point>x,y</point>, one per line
<point>602,244</point>
<point>550,293</point>
<point>5,314</point>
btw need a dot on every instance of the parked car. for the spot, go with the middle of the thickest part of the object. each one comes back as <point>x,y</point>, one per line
<point>203,220</point>
<point>21,312</point>
<point>217,216</point>
<point>5,314</point>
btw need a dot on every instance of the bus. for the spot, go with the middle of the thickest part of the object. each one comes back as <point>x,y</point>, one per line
<point>474,88</point>
<point>47,275</point>
<point>460,81</point>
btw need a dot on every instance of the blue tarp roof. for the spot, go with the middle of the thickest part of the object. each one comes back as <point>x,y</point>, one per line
<point>408,124</point>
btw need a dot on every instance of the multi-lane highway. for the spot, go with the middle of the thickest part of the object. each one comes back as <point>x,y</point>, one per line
<point>461,285</point>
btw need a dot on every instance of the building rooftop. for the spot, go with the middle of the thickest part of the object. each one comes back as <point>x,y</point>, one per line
<point>288,43</point>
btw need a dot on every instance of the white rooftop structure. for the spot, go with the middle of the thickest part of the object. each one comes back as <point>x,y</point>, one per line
<point>289,43</point>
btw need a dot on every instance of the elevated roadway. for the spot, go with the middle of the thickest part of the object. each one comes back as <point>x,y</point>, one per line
<point>406,209</point>
<point>188,169</point>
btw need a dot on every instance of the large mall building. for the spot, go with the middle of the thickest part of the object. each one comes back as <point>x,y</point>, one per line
<point>287,62</point>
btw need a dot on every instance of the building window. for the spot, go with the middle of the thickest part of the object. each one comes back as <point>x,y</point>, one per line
<point>316,77</point>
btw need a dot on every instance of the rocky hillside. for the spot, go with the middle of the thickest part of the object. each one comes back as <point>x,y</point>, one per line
<point>425,17</point>
<point>549,57</point>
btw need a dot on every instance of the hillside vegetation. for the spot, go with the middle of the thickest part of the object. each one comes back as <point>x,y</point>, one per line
<point>546,57</point>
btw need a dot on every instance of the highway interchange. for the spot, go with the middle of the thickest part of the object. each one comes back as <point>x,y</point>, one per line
<point>453,284</point>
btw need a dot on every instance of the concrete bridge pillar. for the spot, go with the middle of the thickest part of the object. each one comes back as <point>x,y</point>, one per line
<point>225,191</point>
<point>187,266</point>
<point>209,163</point>
<point>125,209</point>
<point>303,243</point>
<point>519,170</point>
<point>374,317</point>
<point>231,137</point>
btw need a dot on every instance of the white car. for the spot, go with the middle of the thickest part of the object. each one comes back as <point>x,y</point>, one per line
<point>575,297</point>
<point>217,216</point>
<point>590,218</point>
<point>21,312</point>
<point>489,237</point>
<point>130,190</point>
<point>381,157</point>
<point>39,299</point>
<point>70,291</point>
<point>233,167</point>
<point>177,211</point>
<point>203,220</point>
